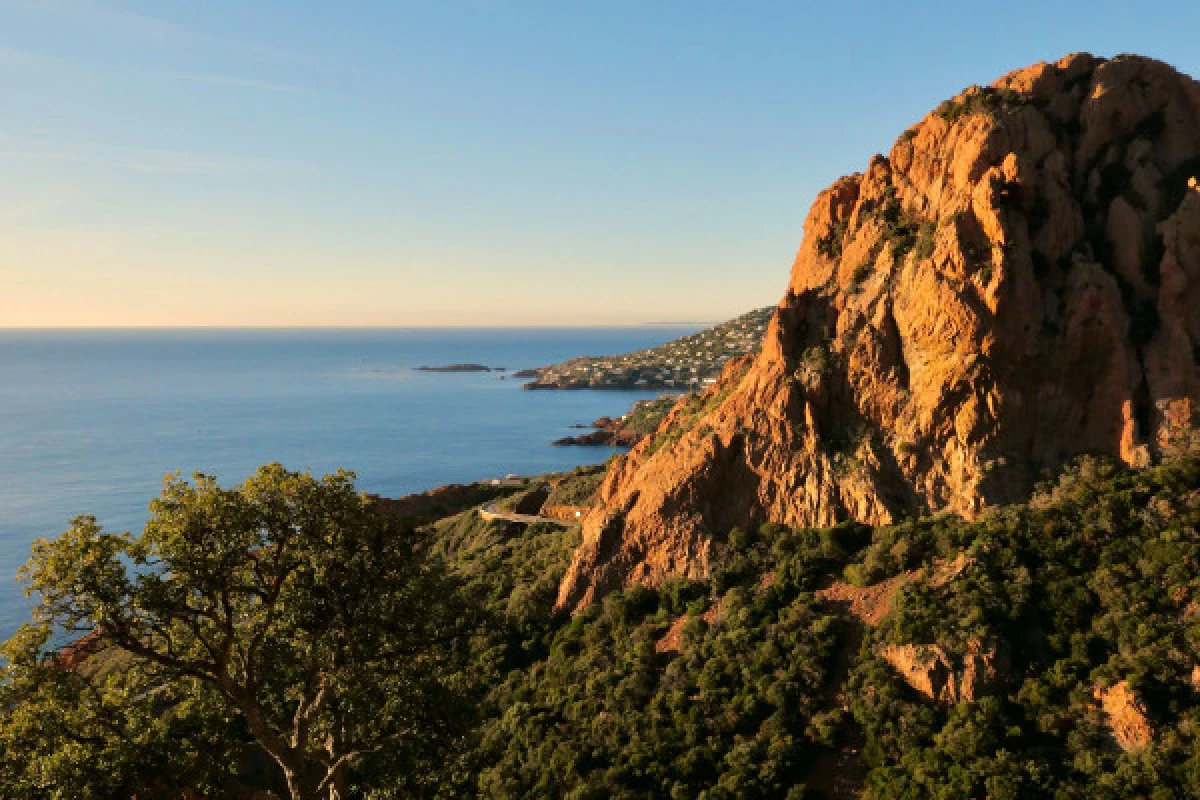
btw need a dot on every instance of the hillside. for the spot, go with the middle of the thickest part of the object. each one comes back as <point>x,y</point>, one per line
<point>1047,650</point>
<point>1016,283</point>
<point>686,363</point>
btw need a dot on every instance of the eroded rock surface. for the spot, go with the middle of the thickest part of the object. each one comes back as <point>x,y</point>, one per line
<point>1014,284</point>
<point>942,678</point>
<point>1126,716</point>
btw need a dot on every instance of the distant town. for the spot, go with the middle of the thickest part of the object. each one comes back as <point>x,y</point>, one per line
<point>685,364</point>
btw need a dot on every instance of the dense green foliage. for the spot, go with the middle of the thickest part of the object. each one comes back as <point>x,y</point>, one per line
<point>71,734</point>
<point>287,605</point>
<point>609,714</point>
<point>526,501</point>
<point>578,487</point>
<point>648,415</point>
<point>1089,585</point>
<point>750,685</point>
<point>511,569</point>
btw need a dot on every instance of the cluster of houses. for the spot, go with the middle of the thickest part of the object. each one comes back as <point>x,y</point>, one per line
<point>688,363</point>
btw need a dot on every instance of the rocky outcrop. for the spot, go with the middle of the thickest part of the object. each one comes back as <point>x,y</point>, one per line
<point>1016,282</point>
<point>933,673</point>
<point>73,655</point>
<point>866,604</point>
<point>626,430</point>
<point>1126,716</point>
<point>461,368</point>
<point>869,605</point>
<point>567,513</point>
<point>602,437</point>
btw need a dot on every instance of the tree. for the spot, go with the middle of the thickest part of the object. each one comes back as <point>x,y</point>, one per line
<point>291,602</point>
<point>83,732</point>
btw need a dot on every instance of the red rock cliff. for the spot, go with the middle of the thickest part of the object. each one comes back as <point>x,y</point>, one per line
<point>1014,284</point>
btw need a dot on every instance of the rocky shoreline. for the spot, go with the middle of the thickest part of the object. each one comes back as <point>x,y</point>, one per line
<point>626,430</point>
<point>608,433</point>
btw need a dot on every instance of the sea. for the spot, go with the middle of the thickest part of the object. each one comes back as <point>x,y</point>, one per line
<point>91,420</point>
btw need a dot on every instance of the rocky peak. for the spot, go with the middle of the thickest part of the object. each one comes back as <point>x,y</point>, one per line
<point>1013,284</point>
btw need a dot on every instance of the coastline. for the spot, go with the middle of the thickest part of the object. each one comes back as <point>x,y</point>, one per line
<point>224,403</point>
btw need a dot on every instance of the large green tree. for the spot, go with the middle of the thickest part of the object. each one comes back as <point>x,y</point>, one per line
<point>288,605</point>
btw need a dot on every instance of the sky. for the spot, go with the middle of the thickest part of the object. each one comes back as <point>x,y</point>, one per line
<point>312,163</point>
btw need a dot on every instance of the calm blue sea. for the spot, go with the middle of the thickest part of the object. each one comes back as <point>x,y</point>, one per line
<point>91,421</point>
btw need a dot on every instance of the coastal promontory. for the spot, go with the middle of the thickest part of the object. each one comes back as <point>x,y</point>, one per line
<point>685,364</point>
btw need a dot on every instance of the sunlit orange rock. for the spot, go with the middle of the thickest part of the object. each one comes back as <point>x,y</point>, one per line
<point>1016,282</point>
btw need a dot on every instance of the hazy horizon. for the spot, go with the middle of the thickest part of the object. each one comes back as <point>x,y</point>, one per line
<point>513,326</point>
<point>477,164</point>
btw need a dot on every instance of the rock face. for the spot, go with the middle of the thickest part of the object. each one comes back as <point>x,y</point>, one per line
<point>931,671</point>
<point>1014,284</point>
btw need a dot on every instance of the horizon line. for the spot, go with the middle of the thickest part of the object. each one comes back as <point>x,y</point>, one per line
<point>658,324</point>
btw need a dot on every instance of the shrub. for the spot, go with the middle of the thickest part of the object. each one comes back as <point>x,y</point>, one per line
<point>816,359</point>
<point>980,100</point>
<point>925,243</point>
<point>830,245</point>
<point>860,274</point>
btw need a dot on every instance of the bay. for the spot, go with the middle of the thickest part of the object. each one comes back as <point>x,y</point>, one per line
<point>91,421</point>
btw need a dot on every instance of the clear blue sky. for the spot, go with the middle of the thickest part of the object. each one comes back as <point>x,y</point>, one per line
<point>222,162</point>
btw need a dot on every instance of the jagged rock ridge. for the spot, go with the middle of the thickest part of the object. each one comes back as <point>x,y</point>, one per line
<point>1014,284</point>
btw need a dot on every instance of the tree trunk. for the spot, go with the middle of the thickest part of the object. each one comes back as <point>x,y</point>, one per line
<point>339,785</point>
<point>302,783</point>
<point>301,787</point>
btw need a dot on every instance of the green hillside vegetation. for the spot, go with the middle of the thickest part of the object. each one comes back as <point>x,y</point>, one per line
<point>647,415</point>
<point>750,684</point>
<point>577,488</point>
<point>285,618</point>
<point>1088,586</point>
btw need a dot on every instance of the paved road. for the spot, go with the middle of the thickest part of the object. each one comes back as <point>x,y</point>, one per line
<point>490,511</point>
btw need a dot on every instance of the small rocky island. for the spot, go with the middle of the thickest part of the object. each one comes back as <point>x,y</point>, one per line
<point>684,364</point>
<point>461,368</point>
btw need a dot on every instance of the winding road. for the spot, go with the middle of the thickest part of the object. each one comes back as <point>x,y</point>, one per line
<point>490,511</point>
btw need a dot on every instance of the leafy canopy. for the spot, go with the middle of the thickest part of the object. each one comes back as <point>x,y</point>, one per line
<point>288,604</point>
